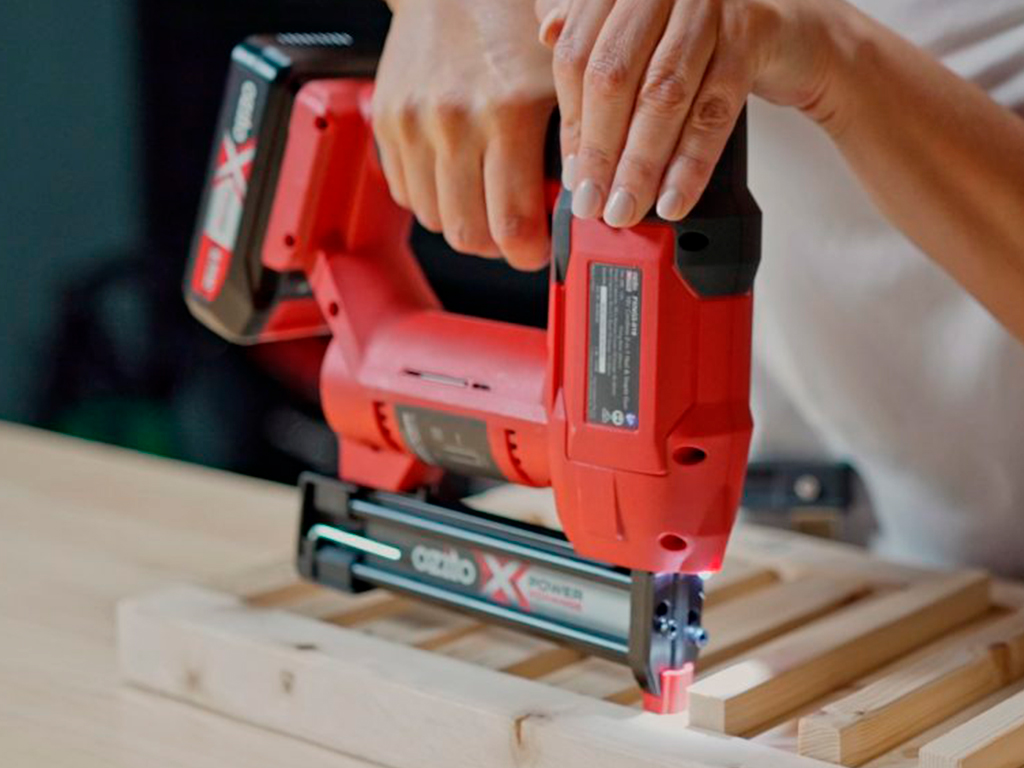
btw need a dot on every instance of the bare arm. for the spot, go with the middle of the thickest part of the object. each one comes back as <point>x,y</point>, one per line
<point>943,161</point>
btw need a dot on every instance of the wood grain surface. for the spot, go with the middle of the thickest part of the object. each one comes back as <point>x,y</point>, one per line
<point>82,526</point>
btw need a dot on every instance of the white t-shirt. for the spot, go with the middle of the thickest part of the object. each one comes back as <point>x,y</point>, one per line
<point>865,350</point>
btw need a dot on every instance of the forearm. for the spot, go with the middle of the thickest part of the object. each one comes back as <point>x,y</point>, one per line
<point>942,160</point>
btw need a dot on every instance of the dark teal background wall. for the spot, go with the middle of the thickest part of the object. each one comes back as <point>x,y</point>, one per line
<point>68,161</point>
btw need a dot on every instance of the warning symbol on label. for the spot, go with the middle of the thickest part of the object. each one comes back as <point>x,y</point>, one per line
<point>618,417</point>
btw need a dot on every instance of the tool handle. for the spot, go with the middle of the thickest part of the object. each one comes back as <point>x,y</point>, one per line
<point>730,171</point>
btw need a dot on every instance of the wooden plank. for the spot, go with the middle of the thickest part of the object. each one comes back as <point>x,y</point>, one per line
<point>278,585</point>
<point>352,693</point>
<point>630,696</point>
<point>793,555</point>
<point>294,592</point>
<point>808,663</point>
<point>83,526</point>
<point>420,624</point>
<point>260,580</point>
<point>496,648</point>
<point>893,709</point>
<point>451,634</point>
<point>1008,593</point>
<point>994,739</point>
<point>595,677</point>
<point>545,662</point>
<point>374,606</point>
<point>737,578</point>
<point>741,624</point>
<point>318,602</point>
<point>906,754</point>
<point>783,732</point>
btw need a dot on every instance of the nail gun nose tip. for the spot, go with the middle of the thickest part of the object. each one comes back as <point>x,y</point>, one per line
<point>674,694</point>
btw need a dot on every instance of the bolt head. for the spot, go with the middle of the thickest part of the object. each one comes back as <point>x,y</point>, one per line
<point>698,636</point>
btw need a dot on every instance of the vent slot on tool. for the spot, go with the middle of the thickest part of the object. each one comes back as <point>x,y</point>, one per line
<point>442,378</point>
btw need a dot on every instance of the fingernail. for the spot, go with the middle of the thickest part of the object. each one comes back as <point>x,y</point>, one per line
<point>550,27</point>
<point>586,200</point>
<point>568,171</point>
<point>620,208</point>
<point>670,205</point>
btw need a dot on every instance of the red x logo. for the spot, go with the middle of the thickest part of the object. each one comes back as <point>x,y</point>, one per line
<point>501,579</point>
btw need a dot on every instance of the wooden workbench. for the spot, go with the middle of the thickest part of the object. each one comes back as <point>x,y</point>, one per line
<point>82,526</point>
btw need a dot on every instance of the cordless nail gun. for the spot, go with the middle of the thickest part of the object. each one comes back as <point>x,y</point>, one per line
<point>633,404</point>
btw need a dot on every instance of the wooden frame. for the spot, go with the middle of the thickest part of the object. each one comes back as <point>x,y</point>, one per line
<point>816,649</point>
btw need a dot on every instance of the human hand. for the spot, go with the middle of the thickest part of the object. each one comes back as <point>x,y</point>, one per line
<point>649,90</point>
<point>463,96</point>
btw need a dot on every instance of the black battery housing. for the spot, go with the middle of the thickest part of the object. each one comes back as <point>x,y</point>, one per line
<point>235,293</point>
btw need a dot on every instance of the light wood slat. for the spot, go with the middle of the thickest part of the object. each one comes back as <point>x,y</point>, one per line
<point>278,585</point>
<point>326,603</point>
<point>450,635</point>
<point>808,663</point>
<point>352,693</point>
<point>630,696</point>
<point>994,739</point>
<point>260,580</point>
<point>782,733</point>
<point>496,648</point>
<point>891,710</point>
<point>906,754</point>
<point>544,663</point>
<point>743,623</point>
<point>418,624</point>
<point>280,597</point>
<point>1010,594</point>
<point>377,605</point>
<point>592,677</point>
<point>793,556</point>
<point>737,578</point>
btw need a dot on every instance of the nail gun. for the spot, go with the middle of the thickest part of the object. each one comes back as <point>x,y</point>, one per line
<point>632,404</point>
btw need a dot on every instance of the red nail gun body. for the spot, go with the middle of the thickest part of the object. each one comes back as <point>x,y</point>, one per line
<point>632,405</point>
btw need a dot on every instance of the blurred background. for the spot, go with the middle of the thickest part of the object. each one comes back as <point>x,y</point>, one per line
<point>109,110</point>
